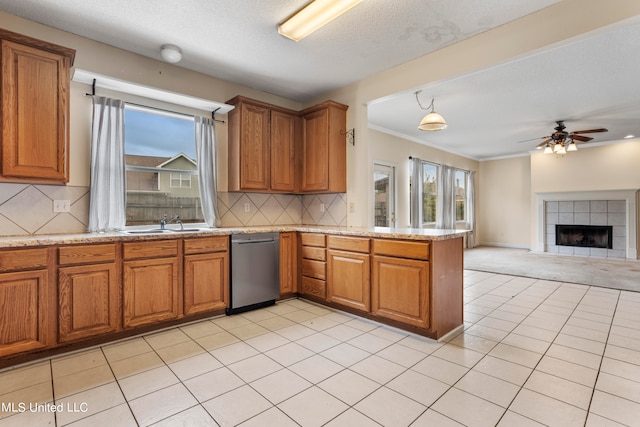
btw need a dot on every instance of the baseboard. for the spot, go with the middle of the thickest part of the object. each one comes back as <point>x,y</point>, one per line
<point>504,245</point>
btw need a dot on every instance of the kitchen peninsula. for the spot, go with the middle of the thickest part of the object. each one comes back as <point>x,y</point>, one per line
<point>64,292</point>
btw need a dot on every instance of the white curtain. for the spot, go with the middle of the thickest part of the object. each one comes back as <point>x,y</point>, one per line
<point>107,203</point>
<point>446,210</point>
<point>206,159</point>
<point>471,209</point>
<point>415,198</point>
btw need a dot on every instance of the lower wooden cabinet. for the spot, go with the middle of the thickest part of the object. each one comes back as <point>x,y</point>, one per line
<point>348,281</point>
<point>88,301</point>
<point>288,263</point>
<point>206,279</point>
<point>400,290</point>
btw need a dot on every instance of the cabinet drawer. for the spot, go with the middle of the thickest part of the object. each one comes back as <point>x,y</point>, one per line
<point>316,269</point>
<point>319,254</point>
<point>86,254</point>
<point>312,239</point>
<point>158,249</point>
<point>314,287</point>
<point>206,245</point>
<point>401,249</point>
<point>351,244</point>
<point>23,259</point>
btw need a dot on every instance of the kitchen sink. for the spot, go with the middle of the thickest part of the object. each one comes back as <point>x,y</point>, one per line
<point>159,231</point>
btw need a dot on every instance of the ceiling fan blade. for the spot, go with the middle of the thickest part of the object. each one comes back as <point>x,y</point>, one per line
<point>532,139</point>
<point>543,143</point>
<point>581,138</point>
<point>590,131</point>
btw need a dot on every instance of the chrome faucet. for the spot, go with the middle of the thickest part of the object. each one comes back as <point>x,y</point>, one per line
<point>164,221</point>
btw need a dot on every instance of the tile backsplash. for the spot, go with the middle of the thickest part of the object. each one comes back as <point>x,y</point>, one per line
<point>28,209</point>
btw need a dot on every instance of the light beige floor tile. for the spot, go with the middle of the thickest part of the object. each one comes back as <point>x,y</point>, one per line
<point>369,342</point>
<point>567,370</point>
<point>236,406</point>
<point>319,323</point>
<point>351,418</point>
<point>432,418</point>
<point>578,343</point>
<point>180,351</point>
<point>280,385</point>
<point>94,400</point>
<point>300,316</point>
<point>231,322</point>
<point>254,367</point>
<point>502,325</point>
<point>136,364</point>
<point>201,329</point>
<point>581,332</point>
<point>195,416</point>
<point>423,344</point>
<point>560,389</point>
<point>533,332</point>
<point>273,417</point>
<point>318,342</point>
<point>213,341</point>
<point>295,332</point>
<point>276,323</point>
<point>526,343</point>
<point>349,386</point>
<point>161,404</point>
<point>248,331</point>
<point>615,408</point>
<point>77,362</point>
<point>266,342</point>
<point>421,388</point>
<point>404,356</point>
<point>589,324</point>
<point>126,349</point>
<point>489,388</point>
<point>282,308</point>
<point>166,338</point>
<point>508,371</point>
<point>590,360</point>
<point>22,399</point>
<point>342,332</point>
<point>511,419</point>
<point>147,382</point>
<point>17,378</point>
<point>320,311</point>
<point>212,384</point>
<point>477,411</point>
<point>194,366</point>
<point>234,352</point>
<point>487,332</point>
<point>547,410</point>
<point>459,355</point>
<point>345,354</point>
<point>624,341</point>
<point>389,333</point>
<point>390,408</point>
<point>594,420</point>
<point>440,369</point>
<point>81,381</point>
<point>117,416</point>
<point>507,315</point>
<point>516,355</point>
<point>29,419</point>
<point>313,407</point>
<point>289,354</point>
<point>258,315</point>
<point>621,369</point>
<point>472,342</point>
<point>316,368</point>
<point>340,317</point>
<point>618,386</point>
<point>363,324</point>
<point>378,369</point>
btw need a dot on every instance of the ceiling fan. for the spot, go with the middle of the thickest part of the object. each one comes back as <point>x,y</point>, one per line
<point>561,141</point>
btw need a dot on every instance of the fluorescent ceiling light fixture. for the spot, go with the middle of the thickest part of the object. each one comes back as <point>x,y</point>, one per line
<point>314,16</point>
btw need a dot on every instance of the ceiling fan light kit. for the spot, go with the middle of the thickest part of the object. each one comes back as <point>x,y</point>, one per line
<point>432,121</point>
<point>561,141</point>
<point>314,16</point>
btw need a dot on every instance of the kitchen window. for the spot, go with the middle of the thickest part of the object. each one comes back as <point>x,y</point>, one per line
<point>429,193</point>
<point>160,165</point>
<point>460,189</point>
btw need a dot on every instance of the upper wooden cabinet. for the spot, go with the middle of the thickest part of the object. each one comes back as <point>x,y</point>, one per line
<point>261,147</point>
<point>35,109</point>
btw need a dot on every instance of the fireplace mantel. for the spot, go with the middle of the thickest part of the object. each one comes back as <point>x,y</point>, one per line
<point>629,196</point>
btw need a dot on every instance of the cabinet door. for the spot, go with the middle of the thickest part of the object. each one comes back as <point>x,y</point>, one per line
<point>400,290</point>
<point>24,311</point>
<point>315,151</point>
<point>34,113</point>
<point>283,162</point>
<point>348,281</point>
<point>150,291</point>
<point>288,263</point>
<point>206,282</point>
<point>88,301</point>
<point>254,148</point>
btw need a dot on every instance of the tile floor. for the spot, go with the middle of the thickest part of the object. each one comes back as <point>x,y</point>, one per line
<point>533,352</point>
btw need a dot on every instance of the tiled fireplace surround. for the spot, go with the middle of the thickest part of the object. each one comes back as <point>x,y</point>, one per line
<point>28,209</point>
<point>614,208</point>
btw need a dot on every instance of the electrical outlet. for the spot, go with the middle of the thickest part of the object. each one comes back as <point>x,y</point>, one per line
<point>62,206</point>
<point>322,209</point>
<point>247,207</point>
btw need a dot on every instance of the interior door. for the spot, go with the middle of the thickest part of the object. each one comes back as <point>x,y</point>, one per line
<point>384,195</point>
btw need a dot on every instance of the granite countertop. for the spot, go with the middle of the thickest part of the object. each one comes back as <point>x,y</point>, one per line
<point>115,236</point>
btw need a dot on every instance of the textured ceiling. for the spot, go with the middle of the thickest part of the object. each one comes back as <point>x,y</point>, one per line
<point>589,83</point>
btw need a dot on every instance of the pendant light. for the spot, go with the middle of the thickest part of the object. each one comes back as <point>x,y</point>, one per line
<point>432,121</point>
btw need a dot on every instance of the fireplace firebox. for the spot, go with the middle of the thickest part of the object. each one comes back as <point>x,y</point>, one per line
<point>586,236</point>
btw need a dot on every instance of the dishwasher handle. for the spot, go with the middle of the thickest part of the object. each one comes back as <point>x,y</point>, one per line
<point>247,242</point>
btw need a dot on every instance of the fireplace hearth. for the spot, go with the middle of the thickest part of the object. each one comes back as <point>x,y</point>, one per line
<point>585,236</point>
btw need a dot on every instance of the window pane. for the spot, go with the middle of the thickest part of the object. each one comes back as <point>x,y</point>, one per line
<point>161,167</point>
<point>461,194</point>
<point>429,192</point>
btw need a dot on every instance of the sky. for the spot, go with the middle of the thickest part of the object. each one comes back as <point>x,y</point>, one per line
<point>148,134</point>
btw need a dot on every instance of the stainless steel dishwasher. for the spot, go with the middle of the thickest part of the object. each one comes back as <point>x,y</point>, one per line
<point>255,271</point>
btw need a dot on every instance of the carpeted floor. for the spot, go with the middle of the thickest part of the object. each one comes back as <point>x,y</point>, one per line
<point>608,273</point>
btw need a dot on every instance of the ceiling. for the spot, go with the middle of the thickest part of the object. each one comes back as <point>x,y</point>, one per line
<point>588,83</point>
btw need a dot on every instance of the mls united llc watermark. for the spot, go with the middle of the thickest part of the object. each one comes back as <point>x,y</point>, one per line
<point>20,407</point>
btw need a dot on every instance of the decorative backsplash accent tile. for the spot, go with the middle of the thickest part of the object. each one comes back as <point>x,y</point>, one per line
<point>28,209</point>
<point>324,209</point>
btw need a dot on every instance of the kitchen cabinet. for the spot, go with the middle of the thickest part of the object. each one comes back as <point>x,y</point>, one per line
<point>313,266</point>
<point>88,292</point>
<point>26,300</point>
<point>34,84</point>
<point>150,282</point>
<point>400,289</point>
<point>288,263</point>
<point>348,272</point>
<point>262,140</point>
<point>324,148</point>
<point>206,274</point>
